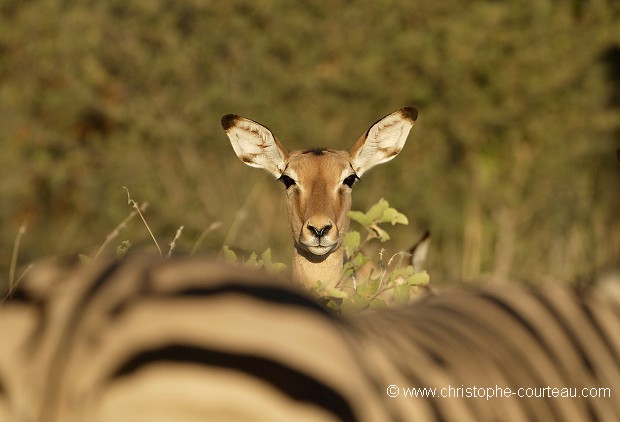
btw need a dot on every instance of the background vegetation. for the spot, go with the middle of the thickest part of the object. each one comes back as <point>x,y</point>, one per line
<point>511,164</point>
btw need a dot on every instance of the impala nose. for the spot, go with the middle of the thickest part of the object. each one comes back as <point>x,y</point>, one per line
<point>319,231</point>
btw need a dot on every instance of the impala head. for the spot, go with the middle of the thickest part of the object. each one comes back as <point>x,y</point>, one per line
<point>318,181</point>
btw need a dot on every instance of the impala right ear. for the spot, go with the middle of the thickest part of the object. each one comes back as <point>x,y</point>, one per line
<point>254,144</point>
<point>383,141</point>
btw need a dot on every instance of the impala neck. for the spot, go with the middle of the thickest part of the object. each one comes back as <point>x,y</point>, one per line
<point>308,268</point>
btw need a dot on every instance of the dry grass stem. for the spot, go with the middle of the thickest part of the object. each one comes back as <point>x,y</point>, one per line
<point>22,275</point>
<point>173,244</point>
<point>114,233</point>
<point>16,244</point>
<point>134,204</point>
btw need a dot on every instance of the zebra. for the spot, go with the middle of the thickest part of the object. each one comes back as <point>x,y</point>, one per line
<point>186,339</point>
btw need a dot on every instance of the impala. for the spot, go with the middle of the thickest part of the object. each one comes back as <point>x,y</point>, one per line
<point>318,185</point>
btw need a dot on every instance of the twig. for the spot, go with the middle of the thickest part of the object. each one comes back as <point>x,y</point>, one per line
<point>401,255</point>
<point>173,244</point>
<point>18,240</point>
<point>114,233</point>
<point>134,204</point>
<point>384,287</point>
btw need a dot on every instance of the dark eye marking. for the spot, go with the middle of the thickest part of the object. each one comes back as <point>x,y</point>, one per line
<point>350,180</point>
<point>288,181</point>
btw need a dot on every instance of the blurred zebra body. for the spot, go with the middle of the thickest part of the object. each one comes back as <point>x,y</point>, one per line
<point>188,340</point>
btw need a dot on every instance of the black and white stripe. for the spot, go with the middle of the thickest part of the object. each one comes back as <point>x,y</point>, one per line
<point>188,340</point>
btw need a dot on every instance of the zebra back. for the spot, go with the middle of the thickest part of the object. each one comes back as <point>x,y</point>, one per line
<point>496,338</point>
<point>184,339</point>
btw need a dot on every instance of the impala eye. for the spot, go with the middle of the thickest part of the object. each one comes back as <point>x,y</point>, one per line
<point>350,180</point>
<point>288,182</point>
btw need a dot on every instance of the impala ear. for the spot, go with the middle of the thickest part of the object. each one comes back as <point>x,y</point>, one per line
<point>383,141</point>
<point>254,144</point>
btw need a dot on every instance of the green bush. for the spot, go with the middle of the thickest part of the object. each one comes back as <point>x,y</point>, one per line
<point>511,163</point>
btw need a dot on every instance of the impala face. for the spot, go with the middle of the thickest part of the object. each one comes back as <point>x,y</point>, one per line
<point>318,190</point>
<point>318,182</point>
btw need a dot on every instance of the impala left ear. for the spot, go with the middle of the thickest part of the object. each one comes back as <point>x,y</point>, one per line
<point>383,141</point>
<point>254,144</point>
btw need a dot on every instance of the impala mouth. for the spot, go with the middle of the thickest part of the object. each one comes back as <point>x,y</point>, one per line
<point>318,248</point>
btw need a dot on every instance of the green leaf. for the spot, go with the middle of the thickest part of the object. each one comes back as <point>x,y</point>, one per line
<point>393,217</point>
<point>355,302</point>
<point>381,234</point>
<point>403,273</point>
<point>401,294</point>
<point>252,261</point>
<point>276,267</point>
<point>359,217</point>
<point>359,260</point>
<point>229,255</point>
<point>378,304</point>
<point>266,256</point>
<point>419,279</point>
<point>347,271</point>
<point>351,243</point>
<point>333,292</point>
<point>400,218</point>
<point>376,211</point>
<point>369,287</point>
<point>270,266</point>
<point>122,249</point>
<point>331,304</point>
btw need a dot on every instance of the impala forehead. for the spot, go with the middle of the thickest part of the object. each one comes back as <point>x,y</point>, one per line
<point>319,164</point>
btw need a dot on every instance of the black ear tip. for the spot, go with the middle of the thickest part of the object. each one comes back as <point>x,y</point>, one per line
<point>410,113</point>
<point>229,120</point>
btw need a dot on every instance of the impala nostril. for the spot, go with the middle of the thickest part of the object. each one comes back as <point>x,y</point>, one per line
<point>319,232</point>
<point>313,230</point>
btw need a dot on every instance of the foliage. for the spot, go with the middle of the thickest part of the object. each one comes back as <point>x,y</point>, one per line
<point>511,163</point>
<point>265,261</point>
<point>365,284</point>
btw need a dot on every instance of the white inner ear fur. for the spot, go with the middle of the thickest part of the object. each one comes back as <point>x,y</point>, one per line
<point>384,140</point>
<point>256,146</point>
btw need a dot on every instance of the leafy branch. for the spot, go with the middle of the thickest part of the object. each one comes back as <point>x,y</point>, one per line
<point>366,284</point>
